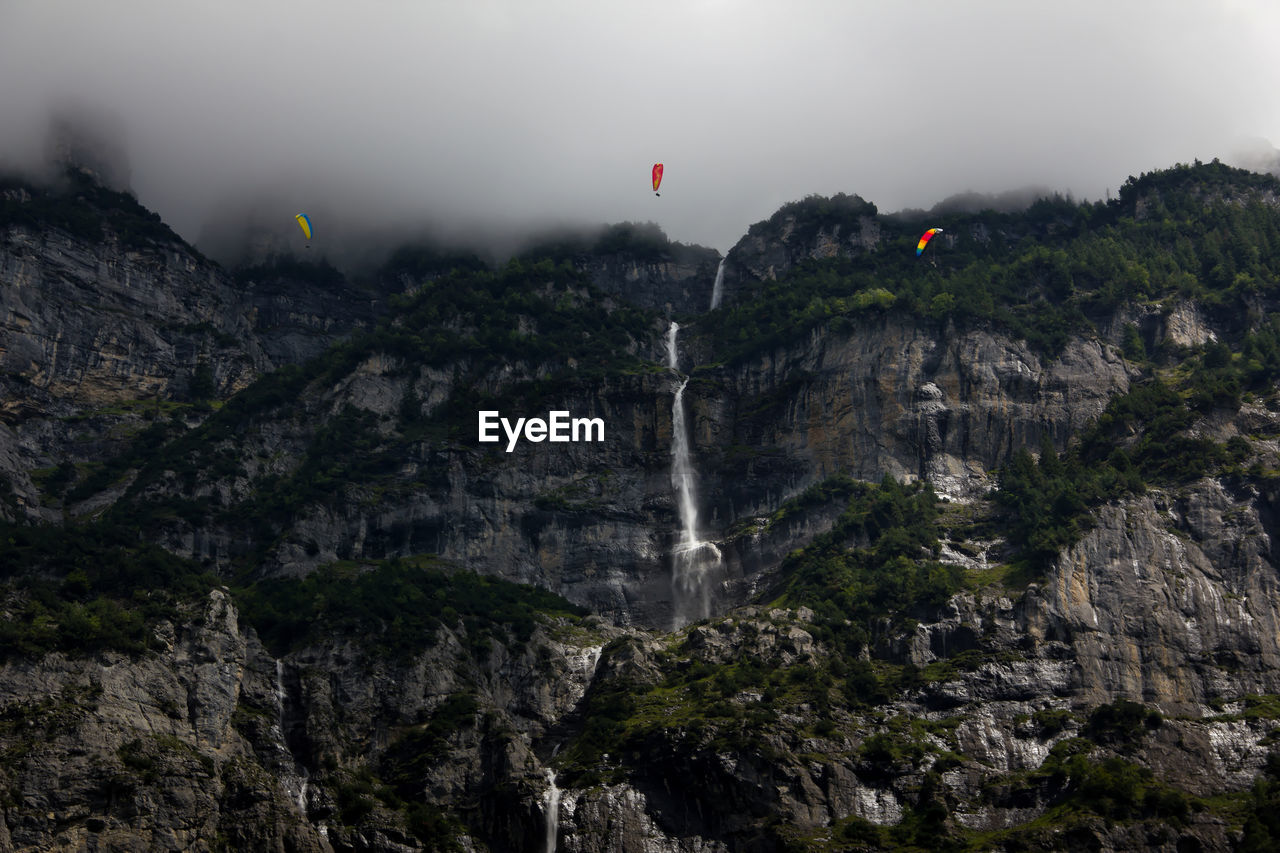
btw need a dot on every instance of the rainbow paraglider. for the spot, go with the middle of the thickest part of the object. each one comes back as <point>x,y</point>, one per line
<point>924,240</point>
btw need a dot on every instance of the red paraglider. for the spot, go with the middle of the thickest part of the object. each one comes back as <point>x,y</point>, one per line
<point>657,178</point>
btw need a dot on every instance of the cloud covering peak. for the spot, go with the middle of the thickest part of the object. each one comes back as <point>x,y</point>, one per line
<point>500,115</point>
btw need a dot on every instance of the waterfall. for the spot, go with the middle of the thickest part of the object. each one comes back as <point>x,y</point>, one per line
<point>280,694</point>
<point>295,775</point>
<point>691,557</point>
<point>717,289</point>
<point>682,470</point>
<point>552,798</point>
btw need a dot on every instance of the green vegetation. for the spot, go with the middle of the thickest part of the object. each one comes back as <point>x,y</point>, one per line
<point>84,589</point>
<point>1261,707</point>
<point>1073,784</point>
<point>1143,438</point>
<point>319,273</point>
<point>1202,232</point>
<point>889,573</point>
<point>807,217</point>
<point>1049,503</point>
<point>78,205</point>
<point>417,263</point>
<point>54,481</point>
<point>542,320</point>
<point>539,313</point>
<point>585,494</point>
<point>412,754</point>
<point>395,608</point>
<point>202,384</point>
<point>1122,724</point>
<point>1051,721</point>
<point>830,489</point>
<point>143,447</point>
<point>763,688</point>
<point>342,451</point>
<point>543,323</point>
<point>1112,788</point>
<point>645,242</point>
<point>1262,821</point>
<point>358,794</point>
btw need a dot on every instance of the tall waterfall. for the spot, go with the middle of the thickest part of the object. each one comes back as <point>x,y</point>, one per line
<point>717,289</point>
<point>691,557</point>
<point>296,778</point>
<point>553,810</point>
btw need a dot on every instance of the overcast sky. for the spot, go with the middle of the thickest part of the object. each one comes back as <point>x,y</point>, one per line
<point>501,113</point>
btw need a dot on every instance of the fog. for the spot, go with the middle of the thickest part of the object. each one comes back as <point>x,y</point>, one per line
<point>479,120</point>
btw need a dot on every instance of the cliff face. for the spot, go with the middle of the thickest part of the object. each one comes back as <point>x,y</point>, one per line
<point>141,753</point>
<point>98,324</point>
<point>896,398</point>
<point>211,743</point>
<point>1171,598</point>
<point>296,317</point>
<point>212,740</point>
<point>1120,694</point>
<point>96,328</point>
<point>596,521</point>
<point>813,230</point>
<point>96,333</point>
<point>677,283</point>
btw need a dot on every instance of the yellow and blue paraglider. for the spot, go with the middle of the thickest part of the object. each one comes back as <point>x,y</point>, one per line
<point>305,224</point>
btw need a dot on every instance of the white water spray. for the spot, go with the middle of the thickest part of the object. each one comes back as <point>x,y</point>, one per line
<point>717,289</point>
<point>296,776</point>
<point>691,557</point>
<point>552,801</point>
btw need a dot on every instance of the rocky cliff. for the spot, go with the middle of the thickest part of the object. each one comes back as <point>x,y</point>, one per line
<point>638,264</point>
<point>919,635</point>
<point>107,316</point>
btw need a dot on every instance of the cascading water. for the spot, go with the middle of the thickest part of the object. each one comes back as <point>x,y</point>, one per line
<point>691,557</point>
<point>552,798</point>
<point>296,776</point>
<point>717,289</point>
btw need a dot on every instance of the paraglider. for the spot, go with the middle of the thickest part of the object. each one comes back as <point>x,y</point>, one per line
<point>657,178</point>
<point>924,240</point>
<point>305,224</point>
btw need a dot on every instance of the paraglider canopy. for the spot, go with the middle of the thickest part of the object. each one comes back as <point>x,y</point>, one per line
<point>305,224</point>
<point>657,178</point>
<point>924,240</point>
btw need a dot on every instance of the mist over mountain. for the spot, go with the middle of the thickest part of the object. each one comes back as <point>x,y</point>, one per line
<point>506,118</point>
<point>971,201</point>
<point>523,509</point>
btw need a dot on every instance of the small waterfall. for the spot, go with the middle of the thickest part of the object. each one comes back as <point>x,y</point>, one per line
<point>295,775</point>
<point>280,694</point>
<point>717,289</point>
<point>552,801</point>
<point>691,557</point>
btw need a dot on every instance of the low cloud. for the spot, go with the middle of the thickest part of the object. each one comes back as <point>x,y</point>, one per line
<point>497,117</point>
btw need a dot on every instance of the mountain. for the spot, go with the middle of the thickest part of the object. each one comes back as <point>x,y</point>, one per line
<point>964,551</point>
